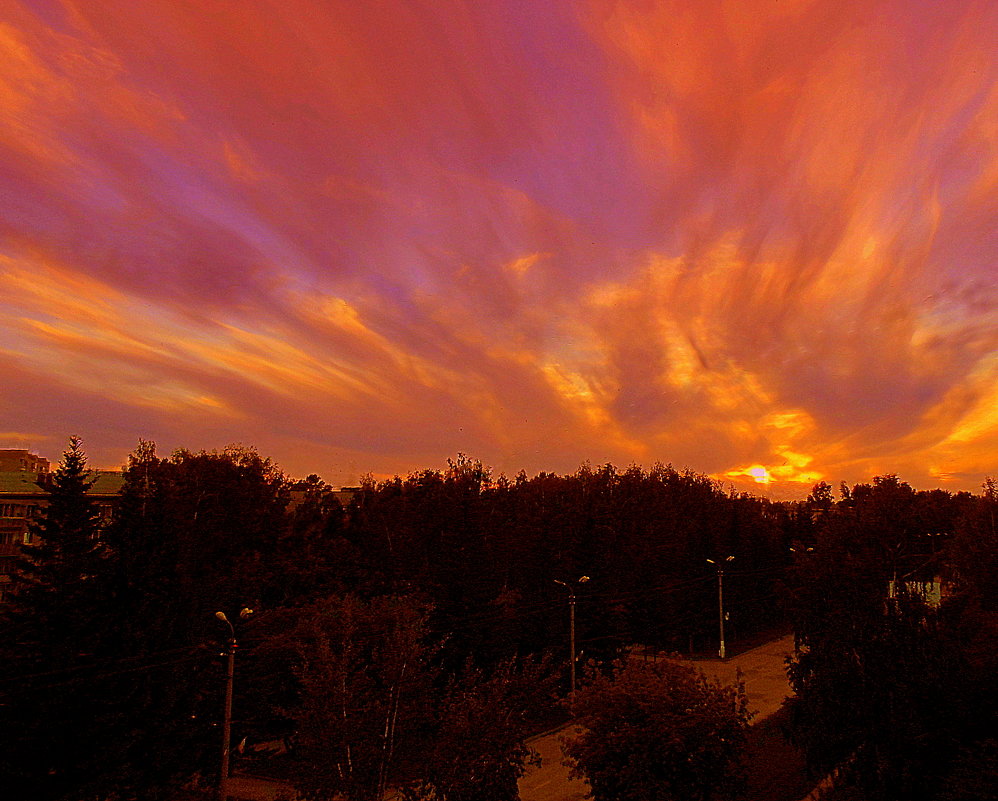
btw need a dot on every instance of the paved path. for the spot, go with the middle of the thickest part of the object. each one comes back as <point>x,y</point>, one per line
<point>762,669</point>
<point>549,781</point>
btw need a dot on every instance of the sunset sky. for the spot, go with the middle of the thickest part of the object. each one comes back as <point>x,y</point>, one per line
<point>755,238</point>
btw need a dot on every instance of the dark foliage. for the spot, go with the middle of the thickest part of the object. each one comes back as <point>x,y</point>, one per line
<point>364,703</point>
<point>481,722</point>
<point>421,608</point>
<point>974,774</point>
<point>115,682</point>
<point>658,730</point>
<point>487,553</point>
<point>374,712</point>
<point>887,685</point>
<point>55,650</point>
<point>974,547</point>
<point>194,534</point>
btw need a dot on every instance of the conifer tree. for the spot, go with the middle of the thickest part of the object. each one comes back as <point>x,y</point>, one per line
<point>52,722</point>
<point>64,552</point>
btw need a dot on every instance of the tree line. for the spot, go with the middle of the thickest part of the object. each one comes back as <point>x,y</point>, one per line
<point>415,637</point>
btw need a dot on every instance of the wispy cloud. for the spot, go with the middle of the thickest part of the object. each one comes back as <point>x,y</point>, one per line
<point>755,239</point>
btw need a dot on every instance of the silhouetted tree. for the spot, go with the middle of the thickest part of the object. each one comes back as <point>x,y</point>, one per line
<point>193,534</point>
<point>974,547</point>
<point>974,774</point>
<point>313,558</point>
<point>880,682</point>
<point>56,647</point>
<point>482,720</point>
<point>365,701</point>
<point>658,730</point>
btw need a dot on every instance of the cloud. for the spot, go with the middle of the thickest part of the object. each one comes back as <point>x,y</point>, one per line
<point>753,239</point>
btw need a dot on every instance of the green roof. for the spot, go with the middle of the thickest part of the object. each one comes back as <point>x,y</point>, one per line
<point>19,482</point>
<point>22,482</point>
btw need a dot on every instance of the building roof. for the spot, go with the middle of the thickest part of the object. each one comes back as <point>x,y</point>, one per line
<point>21,482</point>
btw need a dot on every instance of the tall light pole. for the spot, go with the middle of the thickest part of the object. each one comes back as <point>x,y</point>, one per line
<point>720,599</point>
<point>571,624</point>
<point>230,672</point>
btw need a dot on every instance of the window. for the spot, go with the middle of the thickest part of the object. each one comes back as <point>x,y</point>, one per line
<point>12,510</point>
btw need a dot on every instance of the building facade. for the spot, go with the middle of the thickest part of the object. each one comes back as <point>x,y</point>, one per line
<point>13,460</point>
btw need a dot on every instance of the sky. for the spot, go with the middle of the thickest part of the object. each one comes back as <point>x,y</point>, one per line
<point>753,238</point>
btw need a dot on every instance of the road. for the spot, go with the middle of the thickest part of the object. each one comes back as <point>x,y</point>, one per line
<point>762,669</point>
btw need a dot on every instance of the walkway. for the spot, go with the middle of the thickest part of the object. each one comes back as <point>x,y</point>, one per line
<point>763,670</point>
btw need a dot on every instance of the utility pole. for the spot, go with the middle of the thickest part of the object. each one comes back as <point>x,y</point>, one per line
<point>720,601</point>
<point>571,625</point>
<point>720,608</point>
<point>230,672</point>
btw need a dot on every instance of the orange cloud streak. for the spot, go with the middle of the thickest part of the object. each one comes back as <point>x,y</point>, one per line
<point>754,239</point>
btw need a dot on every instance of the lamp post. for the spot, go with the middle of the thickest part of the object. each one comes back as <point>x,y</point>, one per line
<point>571,624</point>
<point>230,671</point>
<point>720,599</point>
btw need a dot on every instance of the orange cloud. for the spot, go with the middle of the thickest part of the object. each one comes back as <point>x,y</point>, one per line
<point>754,239</point>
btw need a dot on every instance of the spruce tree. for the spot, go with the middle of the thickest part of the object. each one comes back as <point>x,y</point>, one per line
<point>54,638</point>
<point>64,553</point>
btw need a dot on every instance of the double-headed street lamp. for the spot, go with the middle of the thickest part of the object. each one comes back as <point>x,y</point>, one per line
<point>720,598</point>
<point>571,623</point>
<point>230,671</point>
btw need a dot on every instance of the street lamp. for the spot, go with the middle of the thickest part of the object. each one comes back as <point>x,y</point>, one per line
<point>720,598</point>
<point>230,671</point>
<point>571,623</point>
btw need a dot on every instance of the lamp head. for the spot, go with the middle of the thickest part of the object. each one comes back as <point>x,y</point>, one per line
<point>221,616</point>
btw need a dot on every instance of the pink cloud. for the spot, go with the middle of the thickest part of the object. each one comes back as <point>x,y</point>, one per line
<point>737,237</point>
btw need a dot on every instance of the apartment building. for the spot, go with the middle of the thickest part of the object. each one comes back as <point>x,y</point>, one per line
<point>13,460</point>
